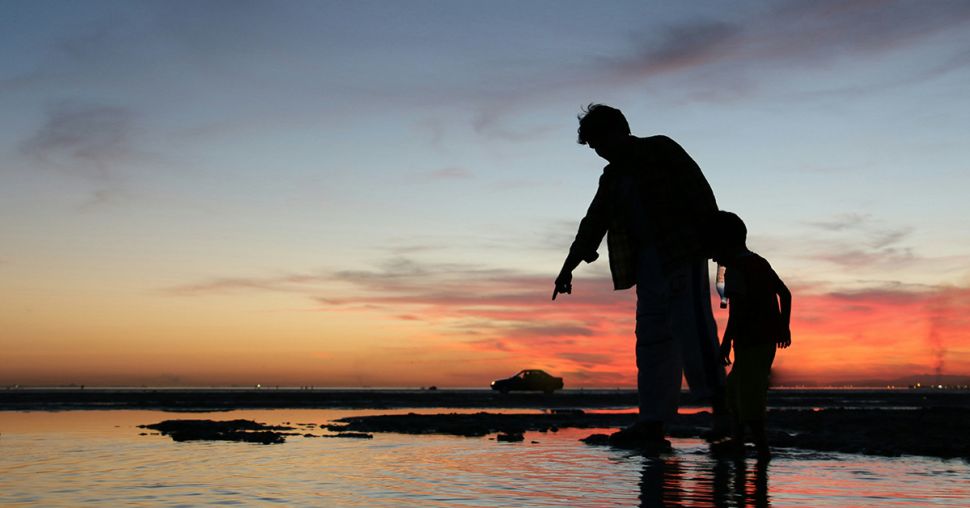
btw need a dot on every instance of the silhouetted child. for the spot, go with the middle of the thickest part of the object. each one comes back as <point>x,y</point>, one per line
<point>756,327</point>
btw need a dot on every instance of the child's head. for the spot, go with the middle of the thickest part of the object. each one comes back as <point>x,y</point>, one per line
<point>730,235</point>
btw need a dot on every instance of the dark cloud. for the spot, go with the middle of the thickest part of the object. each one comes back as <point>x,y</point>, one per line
<point>836,29</point>
<point>89,139</point>
<point>718,60</point>
<point>494,121</point>
<point>679,47</point>
<point>732,56</point>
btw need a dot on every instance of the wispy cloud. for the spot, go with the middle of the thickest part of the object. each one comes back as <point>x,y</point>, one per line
<point>857,239</point>
<point>683,46</point>
<point>92,142</point>
<point>482,308</point>
<point>288,283</point>
<point>589,335</point>
<point>841,222</point>
<point>786,35</point>
<point>85,138</point>
<point>713,58</point>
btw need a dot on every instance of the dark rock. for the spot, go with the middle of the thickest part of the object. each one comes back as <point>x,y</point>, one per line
<point>597,439</point>
<point>934,431</point>
<point>509,438</point>
<point>353,435</point>
<point>228,430</point>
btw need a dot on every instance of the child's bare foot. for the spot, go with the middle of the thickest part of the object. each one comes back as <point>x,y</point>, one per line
<point>728,447</point>
<point>764,453</point>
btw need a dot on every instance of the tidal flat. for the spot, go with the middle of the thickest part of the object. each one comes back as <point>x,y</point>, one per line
<point>846,448</point>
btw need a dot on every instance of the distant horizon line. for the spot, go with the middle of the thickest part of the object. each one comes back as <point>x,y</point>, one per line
<point>917,385</point>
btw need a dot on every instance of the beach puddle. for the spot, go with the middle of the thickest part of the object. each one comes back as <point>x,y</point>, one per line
<point>99,458</point>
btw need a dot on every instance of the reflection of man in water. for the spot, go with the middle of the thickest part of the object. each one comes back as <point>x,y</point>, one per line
<point>672,481</point>
<point>653,205</point>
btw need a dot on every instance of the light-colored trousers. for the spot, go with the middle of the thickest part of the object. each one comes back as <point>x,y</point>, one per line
<point>676,335</point>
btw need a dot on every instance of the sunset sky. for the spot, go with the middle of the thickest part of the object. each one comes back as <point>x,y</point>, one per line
<point>381,193</point>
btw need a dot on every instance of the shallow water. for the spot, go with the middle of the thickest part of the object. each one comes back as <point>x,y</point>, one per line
<point>99,458</point>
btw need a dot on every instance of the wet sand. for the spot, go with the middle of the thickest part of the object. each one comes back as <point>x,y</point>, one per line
<point>880,422</point>
<point>936,432</point>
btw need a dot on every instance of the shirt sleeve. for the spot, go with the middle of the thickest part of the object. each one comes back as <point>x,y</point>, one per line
<point>593,227</point>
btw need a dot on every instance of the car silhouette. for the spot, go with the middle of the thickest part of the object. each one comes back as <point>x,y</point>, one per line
<point>529,380</point>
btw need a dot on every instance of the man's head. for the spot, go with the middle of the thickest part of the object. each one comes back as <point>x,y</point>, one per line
<point>730,237</point>
<point>604,129</point>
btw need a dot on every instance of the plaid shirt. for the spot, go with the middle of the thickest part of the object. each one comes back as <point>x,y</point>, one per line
<point>675,201</point>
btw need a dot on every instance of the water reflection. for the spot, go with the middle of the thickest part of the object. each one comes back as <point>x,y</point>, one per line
<point>668,482</point>
<point>99,458</point>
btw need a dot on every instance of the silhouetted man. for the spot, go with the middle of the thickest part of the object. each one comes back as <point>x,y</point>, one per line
<point>653,205</point>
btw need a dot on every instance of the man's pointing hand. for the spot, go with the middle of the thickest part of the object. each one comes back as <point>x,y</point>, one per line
<point>564,284</point>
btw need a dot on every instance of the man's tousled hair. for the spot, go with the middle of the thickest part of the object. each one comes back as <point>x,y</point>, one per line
<point>597,119</point>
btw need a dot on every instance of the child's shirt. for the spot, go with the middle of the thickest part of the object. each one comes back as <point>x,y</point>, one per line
<point>751,288</point>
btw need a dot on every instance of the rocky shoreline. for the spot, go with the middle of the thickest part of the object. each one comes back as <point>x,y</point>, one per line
<point>246,431</point>
<point>936,432</point>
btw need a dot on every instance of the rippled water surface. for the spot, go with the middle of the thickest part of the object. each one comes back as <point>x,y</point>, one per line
<point>99,458</point>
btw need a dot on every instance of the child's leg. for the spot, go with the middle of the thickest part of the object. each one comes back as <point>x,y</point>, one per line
<point>731,443</point>
<point>732,396</point>
<point>760,436</point>
<point>752,367</point>
<point>757,379</point>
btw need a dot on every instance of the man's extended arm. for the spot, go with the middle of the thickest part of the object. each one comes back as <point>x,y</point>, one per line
<point>591,231</point>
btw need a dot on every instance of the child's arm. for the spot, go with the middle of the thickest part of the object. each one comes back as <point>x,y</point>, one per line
<point>726,342</point>
<point>784,295</point>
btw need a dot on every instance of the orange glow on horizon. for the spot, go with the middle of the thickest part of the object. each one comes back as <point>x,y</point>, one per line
<point>444,340</point>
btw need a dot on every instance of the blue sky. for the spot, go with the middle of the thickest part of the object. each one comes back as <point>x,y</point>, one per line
<point>149,147</point>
